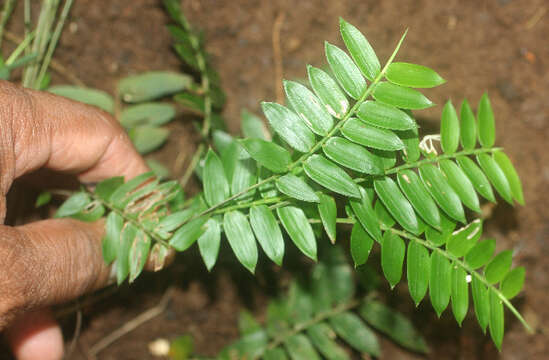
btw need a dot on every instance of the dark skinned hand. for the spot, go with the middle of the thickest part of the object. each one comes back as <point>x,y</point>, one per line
<point>52,261</point>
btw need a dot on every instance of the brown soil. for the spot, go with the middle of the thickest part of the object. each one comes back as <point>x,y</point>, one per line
<point>499,46</point>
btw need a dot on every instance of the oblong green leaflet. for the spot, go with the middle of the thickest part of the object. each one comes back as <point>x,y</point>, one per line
<point>419,197</point>
<point>361,244</point>
<point>216,186</point>
<point>244,176</point>
<point>298,227</point>
<point>155,114</point>
<point>331,176</point>
<point>413,75</point>
<point>461,184</point>
<point>208,243</point>
<point>267,231</point>
<point>477,177</point>
<point>496,322</point>
<point>444,195</point>
<point>85,95</point>
<point>460,293</point>
<point>440,282</point>
<point>308,107</point>
<point>481,253</point>
<point>481,302</point>
<point>252,126</point>
<point>289,126</point>
<point>186,235</point>
<point>385,116</point>
<point>352,156</point>
<point>322,337</point>
<point>148,138</point>
<point>411,151</point>
<point>129,233</point>
<point>440,237</point>
<point>486,122</point>
<point>296,188</point>
<point>299,347</point>
<point>152,85</point>
<point>328,214</point>
<point>511,175</point>
<point>513,282</point>
<point>383,215</point>
<point>370,136</point>
<point>464,239</point>
<point>241,238</point>
<point>401,97</point>
<point>139,252</point>
<point>449,129</point>
<point>346,72</point>
<point>355,333</point>
<point>366,215</point>
<point>274,157</point>
<point>360,49</point>
<point>496,176</point>
<point>328,91</point>
<point>496,269</point>
<point>468,126</point>
<point>396,203</point>
<point>393,250</point>
<point>111,240</point>
<point>418,267</point>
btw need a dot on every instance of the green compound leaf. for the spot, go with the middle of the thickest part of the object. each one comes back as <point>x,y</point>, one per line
<point>477,177</point>
<point>393,324</point>
<point>308,107</point>
<point>360,49</point>
<point>352,156</point>
<point>353,330</point>
<point>511,175</point>
<point>289,126</point>
<point>295,187</point>
<point>183,238</point>
<point>85,95</point>
<point>461,184</point>
<point>274,157</point>
<point>481,253</point>
<point>401,97</point>
<point>437,185</point>
<point>298,227</point>
<point>328,214</point>
<point>449,129</point>
<point>331,176</point>
<point>412,75</point>
<point>267,231</point>
<point>468,126</point>
<point>361,244</point>
<point>252,126</point>
<point>440,281</point>
<point>345,71</point>
<point>396,204</point>
<point>322,337</point>
<point>392,257</point>
<point>241,238</point>
<point>371,136</point>
<point>333,99</point>
<point>464,239</point>
<point>209,241</point>
<point>496,322</point>
<point>111,240</point>
<point>496,176</point>
<point>299,347</point>
<point>366,215</point>
<point>418,270</point>
<point>481,302</point>
<point>496,269</point>
<point>216,186</point>
<point>486,122</point>
<point>460,293</point>
<point>385,116</point>
<point>419,197</point>
<point>151,114</point>
<point>152,85</point>
<point>512,283</point>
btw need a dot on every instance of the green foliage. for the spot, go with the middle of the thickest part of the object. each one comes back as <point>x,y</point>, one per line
<point>307,170</point>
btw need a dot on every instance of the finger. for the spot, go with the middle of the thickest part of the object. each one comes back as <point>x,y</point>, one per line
<point>48,262</point>
<point>35,336</point>
<point>43,130</point>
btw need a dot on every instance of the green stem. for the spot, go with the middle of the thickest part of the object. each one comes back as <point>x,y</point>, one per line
<point>276,199</point>
<point>6,13</point>
<point>192,165</point>
<point>19,49</point>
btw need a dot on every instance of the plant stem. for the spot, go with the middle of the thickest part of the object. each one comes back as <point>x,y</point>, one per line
<point>265,201</point>
<point>192,165</point>
<point>6,13</point>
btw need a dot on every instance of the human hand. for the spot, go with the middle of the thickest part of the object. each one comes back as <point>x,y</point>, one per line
<point>52,261</point>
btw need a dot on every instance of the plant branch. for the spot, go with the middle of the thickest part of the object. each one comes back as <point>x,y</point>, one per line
<point>6,13</point>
